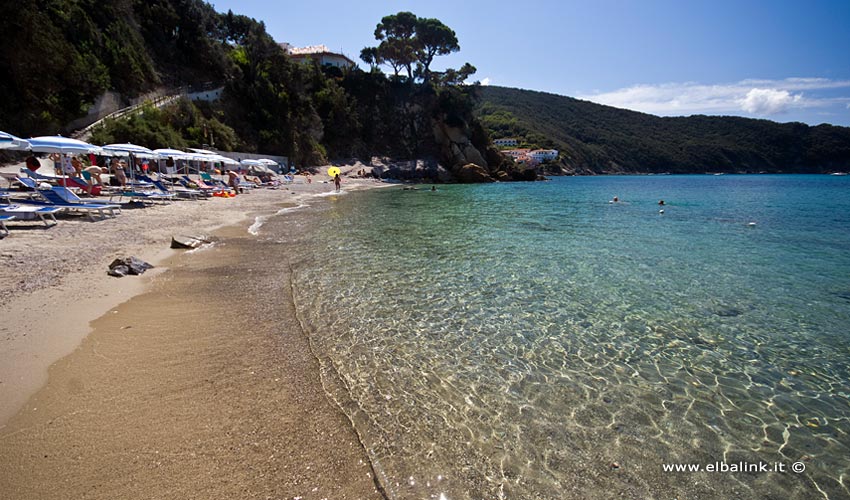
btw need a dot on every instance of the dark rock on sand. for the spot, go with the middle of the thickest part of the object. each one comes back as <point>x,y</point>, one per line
<point>182,241</point>
<point>130,265</point>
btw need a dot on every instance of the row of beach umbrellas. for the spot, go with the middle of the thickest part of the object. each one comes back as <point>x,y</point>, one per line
<point>66,145</point>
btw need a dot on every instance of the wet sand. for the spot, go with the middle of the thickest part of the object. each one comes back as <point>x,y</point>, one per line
<point>203,386</point>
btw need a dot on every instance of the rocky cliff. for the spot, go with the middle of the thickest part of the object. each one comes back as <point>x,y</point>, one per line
<point>466,152</point>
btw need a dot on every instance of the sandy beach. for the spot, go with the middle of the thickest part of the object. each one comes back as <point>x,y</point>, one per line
<point>191,381</point>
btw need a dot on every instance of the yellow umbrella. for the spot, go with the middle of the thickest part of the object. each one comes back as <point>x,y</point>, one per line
<point>333,171</point>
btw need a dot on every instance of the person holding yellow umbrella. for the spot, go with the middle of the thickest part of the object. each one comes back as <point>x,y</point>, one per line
<point>334,172</point>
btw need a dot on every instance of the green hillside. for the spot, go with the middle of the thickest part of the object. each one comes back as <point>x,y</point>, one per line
<point>593,138</point>
<point>64,55</point>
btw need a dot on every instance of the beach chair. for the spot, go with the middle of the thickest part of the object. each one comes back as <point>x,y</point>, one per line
<point>3,218</point>
<point>79,183</point>
<point>214,182</point>
<point>68,196</point>
<point>38,176</point>
<point>144,196</point>
<point>52,199</point>
<point>10,177</point>
<point>74,182</point>
<point>202,186</point>
<point>41,213</point>
<point>180,192</point>
<point>28,183</point>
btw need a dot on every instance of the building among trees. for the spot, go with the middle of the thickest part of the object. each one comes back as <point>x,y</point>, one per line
<point>507,141</point>
<point>319,53</point>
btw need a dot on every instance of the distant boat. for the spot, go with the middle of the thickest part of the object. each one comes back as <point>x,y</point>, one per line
<point>839,173</point>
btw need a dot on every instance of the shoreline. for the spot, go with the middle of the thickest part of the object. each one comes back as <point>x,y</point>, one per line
<point>83,373</point>
<point>57,276</point>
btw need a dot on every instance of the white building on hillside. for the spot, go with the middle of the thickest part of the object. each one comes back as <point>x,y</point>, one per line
<point>319,53</point>
<point>516,153</point>
<point>507,141</point>
<point>542,155</point>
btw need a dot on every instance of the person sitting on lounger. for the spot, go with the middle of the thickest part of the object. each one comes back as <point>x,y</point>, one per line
<point>118,174</point>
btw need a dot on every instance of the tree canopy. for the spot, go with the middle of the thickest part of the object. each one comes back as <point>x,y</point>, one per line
<point>409,42</point>
<point>593,138</point>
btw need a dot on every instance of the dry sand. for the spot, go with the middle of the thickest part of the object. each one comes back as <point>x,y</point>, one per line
<point>195,381</point>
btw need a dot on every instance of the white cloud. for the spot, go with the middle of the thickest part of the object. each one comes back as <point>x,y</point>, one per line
<point>756,97</point>
<point>485,81</point>
<point>769,101</point>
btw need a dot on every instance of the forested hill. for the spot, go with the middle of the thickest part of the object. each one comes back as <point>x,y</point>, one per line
<point>601,139</point>
<point>62,56</point>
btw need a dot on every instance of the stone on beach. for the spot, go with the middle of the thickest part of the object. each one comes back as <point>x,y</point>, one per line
<point>131,265</point>
<point>183,241</point>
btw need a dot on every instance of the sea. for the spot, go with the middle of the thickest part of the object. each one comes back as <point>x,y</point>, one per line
<point>542,341</point>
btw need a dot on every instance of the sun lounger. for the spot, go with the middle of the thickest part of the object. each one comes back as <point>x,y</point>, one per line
<point>3,219</point>
<point>32,174</point>
<point>144,196</point>
<point>69,197</point>
<point>214,182</point>
<point>180,192</point>
<point>42,213</point>
<point>202,186</point>
<point>54,200</point>
<point>10,177</point>
<point>67,181</point>
<point>27,182</point>
<point>81,184</point>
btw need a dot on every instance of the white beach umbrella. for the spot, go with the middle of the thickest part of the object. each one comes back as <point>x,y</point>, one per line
<point>9,141</point>
<point>256,167</point>
<point>226,160</point>
<point>134,149</point>
<point>175,154</point>
<point>214,157</point>
<point>59,144</point>
<point>62,145</point>
<point>202,151</point>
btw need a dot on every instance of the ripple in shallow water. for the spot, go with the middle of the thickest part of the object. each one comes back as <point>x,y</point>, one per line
<point>486,358</point>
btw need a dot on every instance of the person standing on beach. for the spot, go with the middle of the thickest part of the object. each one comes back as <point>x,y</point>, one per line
<point>337,182</point>
<point>56,158</point>
<point>233,180</point>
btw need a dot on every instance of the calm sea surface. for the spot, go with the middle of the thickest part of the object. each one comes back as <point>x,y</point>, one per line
<point>533,340</point>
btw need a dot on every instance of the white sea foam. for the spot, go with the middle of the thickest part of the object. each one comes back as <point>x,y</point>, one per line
<point>205,246</point>
<point>254,229</point>
<point>330,193</point>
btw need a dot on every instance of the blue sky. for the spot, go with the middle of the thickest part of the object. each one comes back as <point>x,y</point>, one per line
<point>779,60</point>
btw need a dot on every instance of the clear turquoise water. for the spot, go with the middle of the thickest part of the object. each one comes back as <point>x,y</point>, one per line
<point>534,340</point>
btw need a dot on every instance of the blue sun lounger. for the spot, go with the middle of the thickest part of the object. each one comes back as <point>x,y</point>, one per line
<point>3,219</point>
<point>180,192</point>
<point>69,197</point>
<point>54,200</point>
<point>39,212</point>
